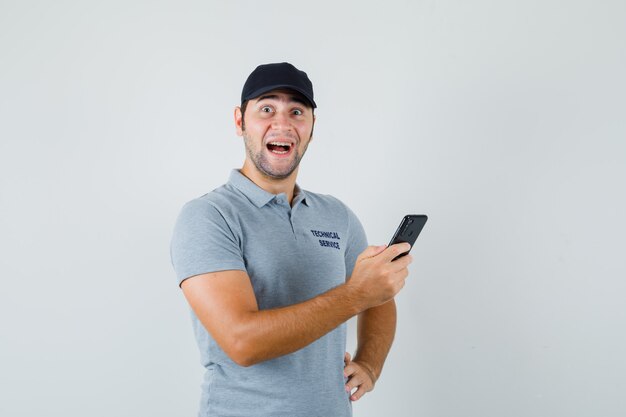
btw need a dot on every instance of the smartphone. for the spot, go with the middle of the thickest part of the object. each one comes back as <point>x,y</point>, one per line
<point>408,231</point>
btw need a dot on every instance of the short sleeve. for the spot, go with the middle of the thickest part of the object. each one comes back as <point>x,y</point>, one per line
<point>357,241</point>
<point>203,242</point>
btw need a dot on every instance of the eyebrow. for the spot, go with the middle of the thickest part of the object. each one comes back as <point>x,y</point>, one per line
<point>293,98</point>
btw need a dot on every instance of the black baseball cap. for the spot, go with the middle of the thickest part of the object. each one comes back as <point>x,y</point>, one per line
<point>269,77</point>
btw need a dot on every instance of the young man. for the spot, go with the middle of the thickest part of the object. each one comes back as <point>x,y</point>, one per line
<point>273,272</point>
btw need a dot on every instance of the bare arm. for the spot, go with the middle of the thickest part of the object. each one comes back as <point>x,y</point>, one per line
<point>249,335</point>
<point>226,305</point>
<point>376,328</point>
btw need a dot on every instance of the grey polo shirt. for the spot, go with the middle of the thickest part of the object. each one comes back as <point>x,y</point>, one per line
<point>291,254</point>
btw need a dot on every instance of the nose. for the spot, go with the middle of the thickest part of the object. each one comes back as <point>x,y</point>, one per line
<point>281,121</point>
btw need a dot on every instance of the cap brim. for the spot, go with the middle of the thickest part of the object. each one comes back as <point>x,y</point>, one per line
<point>265,89</point>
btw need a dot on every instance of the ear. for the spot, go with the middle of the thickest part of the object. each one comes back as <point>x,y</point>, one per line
<point>238,121</point>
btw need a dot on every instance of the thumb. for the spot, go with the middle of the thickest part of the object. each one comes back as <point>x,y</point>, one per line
<point>372,251</point>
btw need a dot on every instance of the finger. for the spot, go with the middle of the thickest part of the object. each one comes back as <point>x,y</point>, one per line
<point>355,381</point>
<point>401,263</point>
<point>395,250</point>
<point>371,251</point>
<point>360,392</point>
<point>399,277</point>
<point>346,358</point>
<point>350,369</point>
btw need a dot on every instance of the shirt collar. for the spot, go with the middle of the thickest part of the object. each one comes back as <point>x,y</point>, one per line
<point>258,196</point>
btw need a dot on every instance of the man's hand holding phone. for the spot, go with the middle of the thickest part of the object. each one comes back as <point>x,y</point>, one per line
<point>380,271</point>
<point>376,277</point>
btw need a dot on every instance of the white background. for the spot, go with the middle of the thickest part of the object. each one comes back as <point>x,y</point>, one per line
<point>504,121</point>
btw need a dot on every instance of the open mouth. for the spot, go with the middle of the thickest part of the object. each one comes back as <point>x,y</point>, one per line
<point>279,148</point>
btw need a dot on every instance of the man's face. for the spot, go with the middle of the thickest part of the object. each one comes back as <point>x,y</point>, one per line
<point>278,129</point>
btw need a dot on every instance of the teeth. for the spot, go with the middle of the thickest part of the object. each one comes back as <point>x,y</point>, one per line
<point>280,144</point>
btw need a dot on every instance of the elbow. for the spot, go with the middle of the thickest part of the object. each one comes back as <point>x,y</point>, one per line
<point>241,354</point>
<point>243,362</point>
<point>242,349</point>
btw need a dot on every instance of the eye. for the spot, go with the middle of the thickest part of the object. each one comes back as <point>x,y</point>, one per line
<point>297,112</point>
<point>266,109</point>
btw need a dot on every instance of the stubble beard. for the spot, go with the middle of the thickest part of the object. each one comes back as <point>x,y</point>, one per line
<point>264,166</point>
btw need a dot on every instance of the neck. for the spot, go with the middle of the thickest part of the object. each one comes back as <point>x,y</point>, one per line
<point>269,184</point>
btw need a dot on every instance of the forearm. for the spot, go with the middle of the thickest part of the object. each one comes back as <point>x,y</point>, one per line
<point>376,328</point>
<point>267,334</point>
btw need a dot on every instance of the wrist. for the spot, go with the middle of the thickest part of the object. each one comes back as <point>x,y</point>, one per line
<point>356,297</point>
<point>368,368</point>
